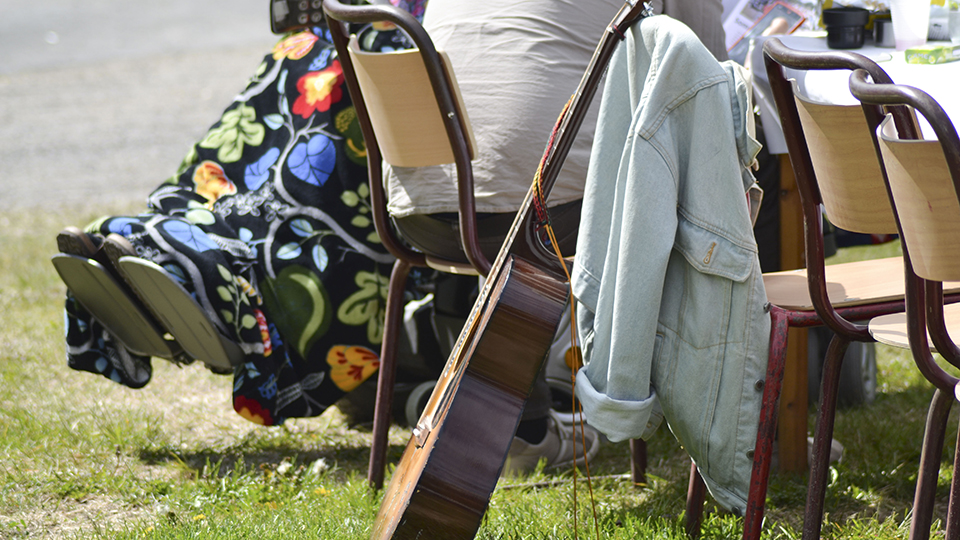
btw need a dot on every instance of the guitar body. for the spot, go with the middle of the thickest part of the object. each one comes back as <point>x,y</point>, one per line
<point>442,486</point>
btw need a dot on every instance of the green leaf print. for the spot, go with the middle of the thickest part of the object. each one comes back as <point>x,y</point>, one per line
<point>298,304</point>
<point>367,306</point>
<point>237,128</point>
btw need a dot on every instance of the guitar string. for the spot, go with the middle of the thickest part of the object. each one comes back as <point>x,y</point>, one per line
<point>577,358</point>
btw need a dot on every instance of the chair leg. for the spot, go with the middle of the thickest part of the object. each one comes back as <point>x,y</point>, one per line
<point>823,436</point>
<point>767,427</point>
<point>638,461</point>
<point>933,437</point>
<point>953,509</point>
<point>696,494</point>
<point>387,374</point>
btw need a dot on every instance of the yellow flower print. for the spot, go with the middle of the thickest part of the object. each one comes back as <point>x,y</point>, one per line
<point>350,366</point>
<point>347,124</point>
<point>212,182</point>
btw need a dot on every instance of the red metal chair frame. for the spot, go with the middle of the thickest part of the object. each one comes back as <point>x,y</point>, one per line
<point>838,319</point>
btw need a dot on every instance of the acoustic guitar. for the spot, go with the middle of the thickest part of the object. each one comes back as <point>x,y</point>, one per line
<point>451,465</point>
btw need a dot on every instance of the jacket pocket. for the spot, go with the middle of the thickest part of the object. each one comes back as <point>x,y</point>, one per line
<point>712,253</point>
<point>702,279</point>
<point>697,291</point>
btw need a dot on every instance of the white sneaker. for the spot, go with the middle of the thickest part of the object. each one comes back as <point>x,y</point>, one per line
<point>836,450</point>
<point>557,448</point>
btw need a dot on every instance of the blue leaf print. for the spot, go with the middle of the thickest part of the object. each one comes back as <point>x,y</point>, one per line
<point>252,370</point>
<point>176,273</point>
<point>122,226</point>
<point>259,172</point>
<point>273,121</point>
<point>288,251</point>
<point>321,61</point>
<point>301,228</point>
<point>320,257</point>
<point>313,160</point>
<point>190,235</point>
<point>282,81</point>
<point>245,234</point>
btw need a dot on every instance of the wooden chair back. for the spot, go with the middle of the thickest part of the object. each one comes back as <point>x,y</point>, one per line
<point>927,203</point>
<point>847,170</point>
<point>835,161</point>
<point>403,109</point>
<point>411,113</point>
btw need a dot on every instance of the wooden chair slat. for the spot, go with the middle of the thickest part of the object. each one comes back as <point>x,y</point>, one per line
<point>848,172</point>
<point>408,123</point>
<point>926,203</point>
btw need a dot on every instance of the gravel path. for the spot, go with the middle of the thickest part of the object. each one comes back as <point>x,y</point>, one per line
<point>100,100</point>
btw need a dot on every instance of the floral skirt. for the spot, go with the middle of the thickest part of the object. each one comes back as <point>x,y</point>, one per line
<point>267,224</point>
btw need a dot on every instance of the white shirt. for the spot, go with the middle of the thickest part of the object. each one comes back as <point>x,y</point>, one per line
<point>517,63</point>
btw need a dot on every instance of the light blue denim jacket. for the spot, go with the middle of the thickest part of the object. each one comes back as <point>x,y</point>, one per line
<point>667,279</point>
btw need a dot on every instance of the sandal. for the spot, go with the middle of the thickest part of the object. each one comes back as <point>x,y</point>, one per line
<point>174,307</point>
<point>107,301</point>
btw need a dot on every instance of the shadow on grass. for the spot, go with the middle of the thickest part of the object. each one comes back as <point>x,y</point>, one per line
<point>344,450</point>
<point>874,481</point>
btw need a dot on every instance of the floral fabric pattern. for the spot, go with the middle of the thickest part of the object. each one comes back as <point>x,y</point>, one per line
<point>266,224</point>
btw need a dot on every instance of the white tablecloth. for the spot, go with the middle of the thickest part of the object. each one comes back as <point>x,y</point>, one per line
<point>939,80</point>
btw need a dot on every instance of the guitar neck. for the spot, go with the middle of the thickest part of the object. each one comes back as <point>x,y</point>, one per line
<point>530,244</point>
<point>570,123</point>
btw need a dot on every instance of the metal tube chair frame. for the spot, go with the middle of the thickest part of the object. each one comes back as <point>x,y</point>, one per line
<point>925,299</point>
<point>445,90</point>
<point>456,127</point>
<point>821,309</point>
<point>776,56</point>
<point>407,258</point>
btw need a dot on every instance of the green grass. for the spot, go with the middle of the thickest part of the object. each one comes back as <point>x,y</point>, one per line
<point>81,457</point>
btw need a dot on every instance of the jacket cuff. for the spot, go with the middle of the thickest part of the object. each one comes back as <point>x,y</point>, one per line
<point>619,419</point>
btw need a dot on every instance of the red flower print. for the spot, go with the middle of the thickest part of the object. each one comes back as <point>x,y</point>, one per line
<point>319,90</point>
<point>252,411</point>
<point>264,332</point>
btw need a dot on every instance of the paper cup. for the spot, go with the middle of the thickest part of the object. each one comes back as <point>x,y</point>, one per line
<point>911,20</point>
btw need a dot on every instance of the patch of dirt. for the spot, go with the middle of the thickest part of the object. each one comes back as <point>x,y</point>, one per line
<point>59,518</point>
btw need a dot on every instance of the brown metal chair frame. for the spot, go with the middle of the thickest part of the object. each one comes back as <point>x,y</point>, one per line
<point>839,319</point>
<point>925,308</point>
<point>338,15</point>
